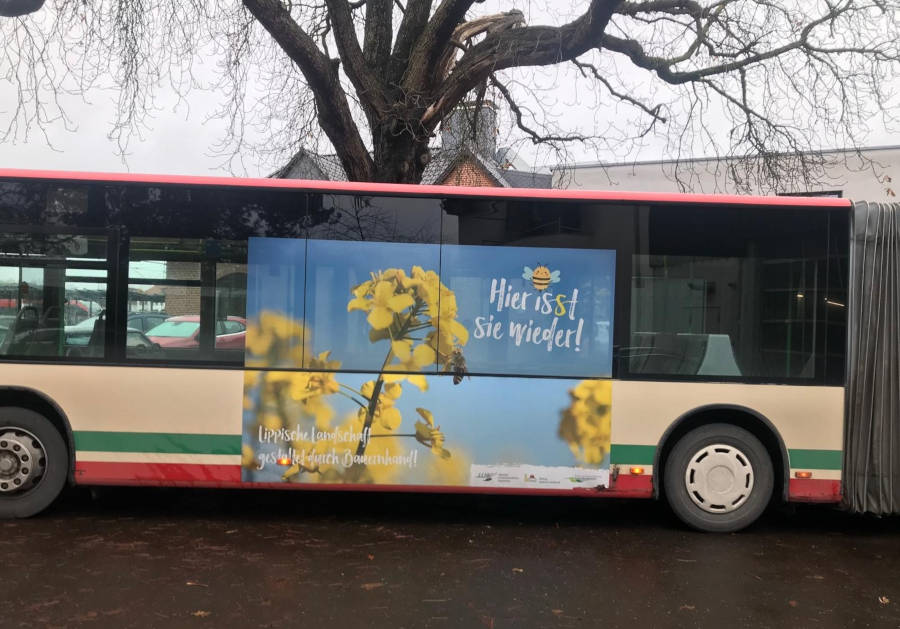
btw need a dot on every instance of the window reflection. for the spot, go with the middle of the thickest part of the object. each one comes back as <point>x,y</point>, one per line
<point>40,203</point>
<point>383,219</point>
<point>734,294</point>
<point>188,298</point>
<point>52,312</point>
<point>53,287</point>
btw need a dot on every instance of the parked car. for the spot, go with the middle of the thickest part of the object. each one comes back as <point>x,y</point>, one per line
<point>141,321</point>
<point>144,321</point>
<point>5,321</point>
<point>183,331</point>
<point>78,338</point>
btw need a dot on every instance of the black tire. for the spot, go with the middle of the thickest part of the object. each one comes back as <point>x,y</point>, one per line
<point>43,489</point>
<point>718,490</point>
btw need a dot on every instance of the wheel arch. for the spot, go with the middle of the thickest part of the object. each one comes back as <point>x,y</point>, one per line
<point>753,421</point>
<point>39,402</point>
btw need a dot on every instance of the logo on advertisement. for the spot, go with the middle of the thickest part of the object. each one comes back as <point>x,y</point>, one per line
<point>530,478</point>
<point>540,277</point>
<point>484,476</point>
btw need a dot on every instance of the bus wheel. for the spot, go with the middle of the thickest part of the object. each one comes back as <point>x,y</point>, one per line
<point>718,478</point>
<point>33,463</point>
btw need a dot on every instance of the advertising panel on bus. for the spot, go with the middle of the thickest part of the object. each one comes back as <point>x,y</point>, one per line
<point>415,364</point>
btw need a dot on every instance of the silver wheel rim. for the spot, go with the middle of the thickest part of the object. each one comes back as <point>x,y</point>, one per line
<point>719,478</point>
<point>23,461</point>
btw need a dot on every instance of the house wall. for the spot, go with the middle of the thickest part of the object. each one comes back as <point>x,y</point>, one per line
<point>468,174</point>
<point>185,300</point>
<point>844,174</point>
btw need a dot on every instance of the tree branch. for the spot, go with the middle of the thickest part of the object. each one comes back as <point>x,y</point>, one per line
<point>333,110</point>
<point>664,67</point>
<point>369,89</point>
<point>653,112</point>
<point>430,45</point>
<point>529,46</point>
<point>377,36</point>
<point>673,7</point>
<point>536,137</point>
<point>415,17</point>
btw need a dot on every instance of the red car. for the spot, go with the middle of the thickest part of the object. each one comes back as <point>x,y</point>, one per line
<point>183,332</point>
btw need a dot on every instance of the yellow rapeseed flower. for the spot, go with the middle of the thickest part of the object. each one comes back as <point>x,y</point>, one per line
<point>248,457</point>
<point>430,435</point>
<point>386,414</point>
<point>585,424</point>
<point>382,298</point>
<point>273,339</point>
<point>417,380</point>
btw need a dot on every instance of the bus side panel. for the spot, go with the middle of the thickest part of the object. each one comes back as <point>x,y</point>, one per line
<point>182,427</point>
<point>144,424</point>
<point>809,420</point>
<point>420,431</point>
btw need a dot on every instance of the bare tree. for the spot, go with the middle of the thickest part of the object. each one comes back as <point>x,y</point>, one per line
<point>377,77</point>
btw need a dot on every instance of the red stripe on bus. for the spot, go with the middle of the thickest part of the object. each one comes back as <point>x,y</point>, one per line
<point>814,490</point>
<point>630,486</point>
<point>454,489</point>
<point>229,477</point>
<point>103,472</point>
<point>429,190</point>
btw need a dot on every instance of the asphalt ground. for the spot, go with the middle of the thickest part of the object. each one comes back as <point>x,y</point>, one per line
<point>205,558</point>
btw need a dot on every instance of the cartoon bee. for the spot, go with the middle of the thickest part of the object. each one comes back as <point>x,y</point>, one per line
<point>457,364</point>
<point>540,277</point>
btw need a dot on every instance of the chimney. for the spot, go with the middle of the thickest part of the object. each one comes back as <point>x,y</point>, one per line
<point>457,129</point>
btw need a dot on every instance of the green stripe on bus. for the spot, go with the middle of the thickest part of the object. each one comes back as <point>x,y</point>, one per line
<point>815,459</point>
<point>638,455</point>
<point>156,442</point>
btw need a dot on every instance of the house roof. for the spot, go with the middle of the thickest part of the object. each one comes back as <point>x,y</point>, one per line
<point>528,179</point>
<point>308,165</point>
<point>443,162</point>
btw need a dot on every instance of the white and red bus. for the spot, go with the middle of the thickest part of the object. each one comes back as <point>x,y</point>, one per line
<point>420,338</point>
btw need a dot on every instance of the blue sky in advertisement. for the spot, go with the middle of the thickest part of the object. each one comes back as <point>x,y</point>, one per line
<point>485,421</point>
<point>558,321</point>
<point>334,268</point>
<point>275,276</point>
<point>529,311</point>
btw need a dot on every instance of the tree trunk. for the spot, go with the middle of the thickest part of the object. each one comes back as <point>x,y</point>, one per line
<point>400,157</point>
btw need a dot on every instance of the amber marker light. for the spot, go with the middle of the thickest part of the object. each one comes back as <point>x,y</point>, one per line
<point>637,471</point>
<point>803,474</point>
<point>284,461</point>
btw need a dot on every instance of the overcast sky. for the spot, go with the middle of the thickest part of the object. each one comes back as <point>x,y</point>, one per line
<point>181,140</point>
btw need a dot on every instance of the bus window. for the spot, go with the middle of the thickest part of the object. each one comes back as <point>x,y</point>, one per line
<point>230,311</point>
<point>371,218</point>
<point>52,288</point>
<point>353,239</point>
<point>197,303</point>
<point>722,294</point>
<point>31,203</point>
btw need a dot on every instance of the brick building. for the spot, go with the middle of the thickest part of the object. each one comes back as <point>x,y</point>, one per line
<point>185,300</point>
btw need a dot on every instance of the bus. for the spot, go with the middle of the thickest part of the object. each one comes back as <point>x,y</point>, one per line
<point>359,336</point>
